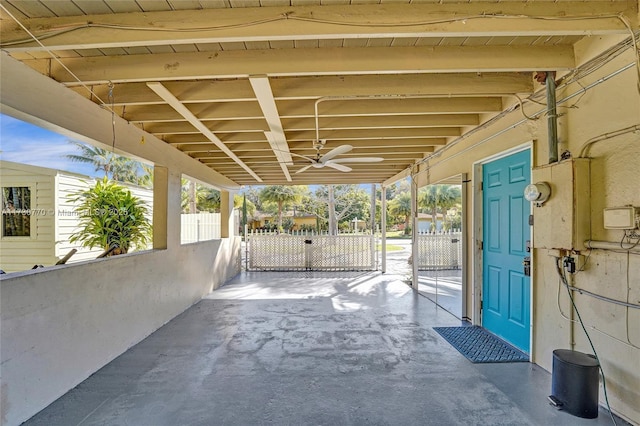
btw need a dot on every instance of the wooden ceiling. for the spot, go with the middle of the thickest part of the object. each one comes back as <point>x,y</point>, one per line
<point>245,87</point>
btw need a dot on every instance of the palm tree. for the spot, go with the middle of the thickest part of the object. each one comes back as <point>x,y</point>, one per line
<point>440,198</point>
<point>401,206</point>
<point>281,195</point>
<point>113,166</point>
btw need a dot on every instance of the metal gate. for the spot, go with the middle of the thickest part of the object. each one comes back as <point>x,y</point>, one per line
<point>441,251</point>
<point>309,252</point>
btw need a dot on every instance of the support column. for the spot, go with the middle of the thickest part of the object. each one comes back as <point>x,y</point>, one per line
<point>414,232</point>
<point>464,241</point>
<point>160,206</point>
<point>226,214</point>
<point>383,228</point>
<point>372,223</point>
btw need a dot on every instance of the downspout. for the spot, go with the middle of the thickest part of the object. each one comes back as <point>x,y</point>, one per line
<point>552,116</point>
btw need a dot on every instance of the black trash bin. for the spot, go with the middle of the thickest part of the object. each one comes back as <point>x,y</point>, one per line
<point>574,383</point>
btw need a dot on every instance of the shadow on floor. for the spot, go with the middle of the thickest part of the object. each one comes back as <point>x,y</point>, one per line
<point>287,349</point>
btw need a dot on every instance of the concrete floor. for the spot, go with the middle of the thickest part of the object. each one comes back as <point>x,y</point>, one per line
<point>308,349</point>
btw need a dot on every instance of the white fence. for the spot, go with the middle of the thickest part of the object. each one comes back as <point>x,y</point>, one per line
<point>199,227</point>
<point>439,251</point>
<point>310,252</point>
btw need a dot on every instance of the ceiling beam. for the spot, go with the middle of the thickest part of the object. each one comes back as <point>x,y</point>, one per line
<point>275,136</point>
<point>299,62</point>
<point>338,108</point>
<point>306,147</point>
<point>313,22</point>
<point>253,158</point>
<point>182,110</point>
<point>36,99</point>
<point>328,123</point>
<point>288,88</point>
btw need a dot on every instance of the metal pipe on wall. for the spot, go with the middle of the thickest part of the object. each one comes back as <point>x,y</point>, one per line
<point>610,245</point>
<point>552,116</point>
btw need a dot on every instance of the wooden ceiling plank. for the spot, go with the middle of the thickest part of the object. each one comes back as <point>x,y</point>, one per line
<point>329,61</point>
<point>312,88</point>
<point>282,23</point>
<point>339,108</point>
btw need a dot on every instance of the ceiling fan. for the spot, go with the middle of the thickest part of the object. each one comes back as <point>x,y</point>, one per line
<point>327,160</point>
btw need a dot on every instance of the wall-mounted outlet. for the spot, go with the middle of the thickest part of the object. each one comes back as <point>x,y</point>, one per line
<point>621,217</point>
<point>574,263</point>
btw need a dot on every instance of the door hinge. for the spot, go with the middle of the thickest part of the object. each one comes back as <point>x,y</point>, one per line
<point>481,245</point>
<point>530,220</point>
<point>481,186</point>
<point>481,305</point>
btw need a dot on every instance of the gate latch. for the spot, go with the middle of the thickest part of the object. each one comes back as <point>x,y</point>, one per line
<point>308,241</point>
<point>526,263</point>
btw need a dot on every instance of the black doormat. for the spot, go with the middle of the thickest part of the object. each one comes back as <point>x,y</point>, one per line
<point>480,346</point>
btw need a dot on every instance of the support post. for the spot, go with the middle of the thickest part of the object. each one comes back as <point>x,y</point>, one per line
<point>372,223</point>
<point>383,228</point>
<point>414,232</point>
<point>160,206</point>
<point>226,214</point>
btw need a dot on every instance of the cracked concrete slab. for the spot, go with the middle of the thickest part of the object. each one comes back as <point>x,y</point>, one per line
<point>308,349</point>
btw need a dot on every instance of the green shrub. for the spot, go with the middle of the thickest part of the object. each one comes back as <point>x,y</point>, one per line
<point>110,216</point>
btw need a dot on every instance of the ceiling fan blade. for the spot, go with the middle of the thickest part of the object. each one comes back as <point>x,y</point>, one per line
<point>303,169</point>
<point>335,152</point>
<point>338,167</point>
<point>358,160</point>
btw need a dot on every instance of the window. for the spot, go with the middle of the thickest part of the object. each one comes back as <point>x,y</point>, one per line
<point>16,211</point>
<point>200,219</point>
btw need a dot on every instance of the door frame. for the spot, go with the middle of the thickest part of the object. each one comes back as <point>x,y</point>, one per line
<point>477,236</point>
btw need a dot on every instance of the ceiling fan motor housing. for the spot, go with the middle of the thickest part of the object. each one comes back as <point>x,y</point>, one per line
<point>319,144</point>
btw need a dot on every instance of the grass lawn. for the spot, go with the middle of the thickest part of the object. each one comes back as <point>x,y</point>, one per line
<point>397,234</point>
<point>390,247</point>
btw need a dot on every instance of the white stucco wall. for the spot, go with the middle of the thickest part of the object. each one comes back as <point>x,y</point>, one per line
<point>62,324</point>
<point>612,104</point>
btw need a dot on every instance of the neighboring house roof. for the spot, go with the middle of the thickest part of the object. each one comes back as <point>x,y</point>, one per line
<point>39,169</point>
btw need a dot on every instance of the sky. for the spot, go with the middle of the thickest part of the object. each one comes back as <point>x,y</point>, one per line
<point>25,143</point>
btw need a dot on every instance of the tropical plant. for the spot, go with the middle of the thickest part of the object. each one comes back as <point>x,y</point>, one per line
<point>401,206</point>
<point>195,197</point>
<point>438,199</point>
<point>110,216</point>
<point>113,166</point>
<point>281,195</point>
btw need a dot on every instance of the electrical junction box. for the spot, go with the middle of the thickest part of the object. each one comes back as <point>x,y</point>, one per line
<point>564,221</point>
<point>621,217</point>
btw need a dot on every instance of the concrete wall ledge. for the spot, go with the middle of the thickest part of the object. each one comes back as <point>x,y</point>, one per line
<point>61,324</point>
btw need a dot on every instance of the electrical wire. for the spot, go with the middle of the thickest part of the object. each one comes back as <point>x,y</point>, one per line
<point>563,315</point>
<point>55,58</point>
<point>498,117</point>
<point>290,16</point>
<point>524,114</point>
<point>560,272</point>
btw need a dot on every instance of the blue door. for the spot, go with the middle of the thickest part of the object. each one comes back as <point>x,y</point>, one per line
<point>505,288</point>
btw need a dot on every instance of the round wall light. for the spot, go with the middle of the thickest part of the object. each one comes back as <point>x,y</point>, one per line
<point>537,193</point>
